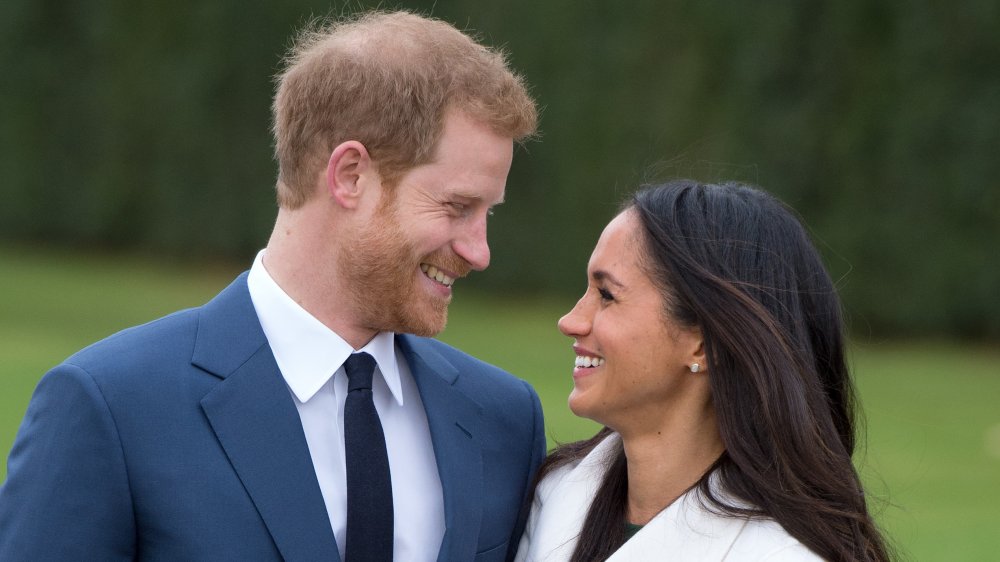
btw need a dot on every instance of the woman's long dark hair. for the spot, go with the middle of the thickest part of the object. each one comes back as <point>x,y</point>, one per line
<point>734,262</point>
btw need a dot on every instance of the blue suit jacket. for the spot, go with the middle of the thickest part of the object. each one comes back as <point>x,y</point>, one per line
<point>179,440</point>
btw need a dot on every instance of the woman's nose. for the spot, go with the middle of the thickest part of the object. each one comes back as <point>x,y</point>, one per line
<point>575,322</point>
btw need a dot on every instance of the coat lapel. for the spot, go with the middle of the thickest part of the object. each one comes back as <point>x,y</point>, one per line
<point>685,531</point>
<point>561,503</point>
<point>453,419</point>
<point>255,421</point>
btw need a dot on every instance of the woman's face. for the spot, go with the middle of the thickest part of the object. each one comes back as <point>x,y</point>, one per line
<point>631,363</point>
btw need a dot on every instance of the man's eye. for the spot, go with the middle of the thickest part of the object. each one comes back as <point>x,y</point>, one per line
<point>459,208</point>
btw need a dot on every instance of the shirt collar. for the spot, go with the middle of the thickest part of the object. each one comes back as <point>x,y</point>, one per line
<point>306,351</point>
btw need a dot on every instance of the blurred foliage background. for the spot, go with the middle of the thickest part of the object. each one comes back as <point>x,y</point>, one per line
<point>137,133</point>
<point>929,453</point>
<point>144,126</point>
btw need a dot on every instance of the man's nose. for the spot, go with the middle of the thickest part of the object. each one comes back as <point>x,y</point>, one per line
<point>473,246</point>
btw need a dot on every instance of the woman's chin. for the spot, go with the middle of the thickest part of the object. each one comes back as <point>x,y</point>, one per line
<point>581,407</point>
<point>575,402</point>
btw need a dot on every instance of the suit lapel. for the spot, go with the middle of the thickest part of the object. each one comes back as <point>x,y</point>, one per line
<point>255,421</point>
<point>454,422</point>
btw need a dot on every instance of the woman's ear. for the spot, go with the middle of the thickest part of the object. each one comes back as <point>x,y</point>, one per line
<point>349,163</point>
<point>697,363</point>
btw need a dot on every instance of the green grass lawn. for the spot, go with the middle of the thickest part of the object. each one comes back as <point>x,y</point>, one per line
<point>933,420</point>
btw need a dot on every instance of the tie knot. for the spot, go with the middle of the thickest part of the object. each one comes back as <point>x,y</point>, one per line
<point>359,368</point>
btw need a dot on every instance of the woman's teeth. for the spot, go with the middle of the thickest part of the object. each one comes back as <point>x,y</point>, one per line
<point>436,274</point>
<point>588,362</point>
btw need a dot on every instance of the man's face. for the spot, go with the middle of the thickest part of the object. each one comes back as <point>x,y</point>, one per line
<point>429,230</point>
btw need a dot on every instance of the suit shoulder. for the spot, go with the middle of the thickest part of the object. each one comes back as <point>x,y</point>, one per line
<point>160,341</point>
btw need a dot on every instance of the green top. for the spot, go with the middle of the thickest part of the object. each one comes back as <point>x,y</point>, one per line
<point>631,530</point>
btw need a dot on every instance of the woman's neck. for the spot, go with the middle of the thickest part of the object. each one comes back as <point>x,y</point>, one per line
<point>665,462</point>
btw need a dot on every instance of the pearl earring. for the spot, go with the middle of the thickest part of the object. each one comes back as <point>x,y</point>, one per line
<point>695,367</point>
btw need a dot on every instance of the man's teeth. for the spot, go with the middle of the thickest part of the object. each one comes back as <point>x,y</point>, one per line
<point>436,274</point>
<point>582,361</point>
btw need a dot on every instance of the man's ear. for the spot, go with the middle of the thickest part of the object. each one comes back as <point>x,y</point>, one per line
<point>349,163</point>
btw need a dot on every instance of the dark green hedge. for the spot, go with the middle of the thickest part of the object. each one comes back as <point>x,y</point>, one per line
<point>145,126</point>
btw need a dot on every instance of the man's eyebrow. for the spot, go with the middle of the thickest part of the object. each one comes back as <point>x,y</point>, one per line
<point>475,197</point>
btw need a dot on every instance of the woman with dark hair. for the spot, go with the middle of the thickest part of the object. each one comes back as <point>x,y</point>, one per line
<point>709,343</point>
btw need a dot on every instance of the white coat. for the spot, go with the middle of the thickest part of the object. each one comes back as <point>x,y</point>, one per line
<point>684,531</point>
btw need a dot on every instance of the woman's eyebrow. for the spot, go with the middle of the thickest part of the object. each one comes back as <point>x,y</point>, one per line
<point>601,275</point>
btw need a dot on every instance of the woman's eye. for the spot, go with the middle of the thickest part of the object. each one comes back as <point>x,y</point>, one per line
<point>606,295</point>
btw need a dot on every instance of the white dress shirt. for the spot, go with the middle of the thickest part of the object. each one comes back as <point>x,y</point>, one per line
<point>311,358</point>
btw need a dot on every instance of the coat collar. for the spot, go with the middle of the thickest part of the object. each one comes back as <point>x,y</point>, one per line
<point>686,530</point>
<point>254,418</point>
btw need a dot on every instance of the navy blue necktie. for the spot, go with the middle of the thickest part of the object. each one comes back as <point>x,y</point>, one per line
<point>369,485</point>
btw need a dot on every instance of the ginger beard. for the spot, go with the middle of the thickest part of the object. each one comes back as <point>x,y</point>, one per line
<point>382,268</point>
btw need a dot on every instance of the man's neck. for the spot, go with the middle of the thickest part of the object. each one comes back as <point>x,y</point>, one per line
<point>300,259</point>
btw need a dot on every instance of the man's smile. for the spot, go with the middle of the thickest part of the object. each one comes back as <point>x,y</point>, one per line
<point>437,275</point>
